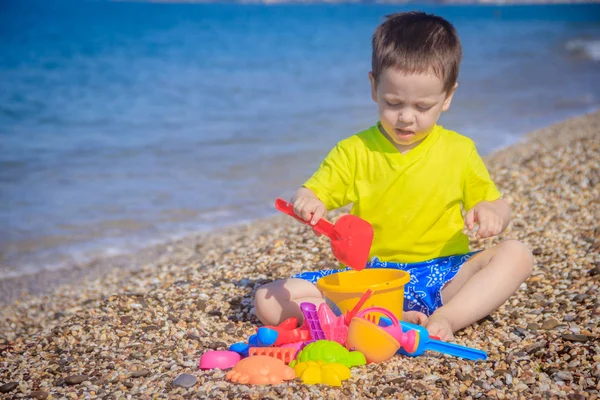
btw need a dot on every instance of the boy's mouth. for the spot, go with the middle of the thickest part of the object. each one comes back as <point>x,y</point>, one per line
<point>404,133</point>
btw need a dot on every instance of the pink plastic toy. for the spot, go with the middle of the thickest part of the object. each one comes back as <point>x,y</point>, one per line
<point>296,346</point>
<point>222,359</point>
<point>408,340</point>
<point>333,326</point>
<point>311,319</point>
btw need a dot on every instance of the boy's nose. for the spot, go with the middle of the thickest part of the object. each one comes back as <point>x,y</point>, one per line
<point>405,117</point>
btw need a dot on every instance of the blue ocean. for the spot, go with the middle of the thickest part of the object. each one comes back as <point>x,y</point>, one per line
<point>124,124</point>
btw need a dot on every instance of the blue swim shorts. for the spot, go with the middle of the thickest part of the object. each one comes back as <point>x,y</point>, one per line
<point>427,279</point>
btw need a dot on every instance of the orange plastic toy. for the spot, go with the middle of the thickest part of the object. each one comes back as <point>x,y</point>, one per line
<point>285,354</point>
<point>260,370</point>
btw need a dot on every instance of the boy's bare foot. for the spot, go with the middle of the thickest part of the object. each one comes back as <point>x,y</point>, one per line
<point>440,326</point>
<point>414,317</point>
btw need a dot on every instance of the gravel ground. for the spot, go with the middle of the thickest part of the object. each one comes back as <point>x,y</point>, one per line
<point>138,332</point>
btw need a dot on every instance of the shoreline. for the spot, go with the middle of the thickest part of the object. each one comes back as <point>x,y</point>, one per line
<point>45,281</point>
<point>133,331</point>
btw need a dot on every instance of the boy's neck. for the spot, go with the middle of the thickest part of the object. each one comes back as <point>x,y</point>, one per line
<point>401,149</point>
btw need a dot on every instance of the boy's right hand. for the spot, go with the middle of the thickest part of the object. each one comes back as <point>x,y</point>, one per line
<point>310,209</point>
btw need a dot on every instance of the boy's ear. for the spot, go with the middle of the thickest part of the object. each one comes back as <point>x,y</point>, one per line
<point>448,100</point>
<point>373,87</point>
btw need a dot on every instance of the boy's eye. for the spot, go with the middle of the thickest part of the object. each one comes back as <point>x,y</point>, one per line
<point>422,107</point>
<point>392,104</point>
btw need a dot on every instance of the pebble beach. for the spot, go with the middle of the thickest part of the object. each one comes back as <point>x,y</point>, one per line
<point>135,327</point>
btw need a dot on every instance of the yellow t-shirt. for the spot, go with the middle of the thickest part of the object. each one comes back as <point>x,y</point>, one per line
<point>412,200</point>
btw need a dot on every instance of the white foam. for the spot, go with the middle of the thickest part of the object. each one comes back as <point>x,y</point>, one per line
<point>589,47</point>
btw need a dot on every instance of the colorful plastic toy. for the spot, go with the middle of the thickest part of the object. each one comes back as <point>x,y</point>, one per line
<point>260,370</point>
<point>378,343</point>
<point>350,314</point>
<point>285,354</point>
<point>427,343</point>
<point>408,340</point>
<point>311,321</point>
<point>222,359</point>
<point>351,237</point>
<point>346,288</point>
<point>333,326</point>
<point>263,337</point>
<point>329,352</point>
<point>241,348</point>
<point>296,346</point>
<point>288,332</point>
<point>313,372</point>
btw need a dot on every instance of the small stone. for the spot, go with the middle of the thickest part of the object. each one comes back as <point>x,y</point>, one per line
<point>564,376</point>
<point>185,381</point>
<point>575,338</point>
<point>521,386</point>
<point>218,346</point>
<point>581,297</point>
<point>537,251</point>
<point>533,326</point>
<point>535,347</point>
<point>388,391</point>
<point>595,271</point>
<point>522,333</point>
<point>569,318</point>
<point>7,387</point>
<point>419,388</point>
<point>39,394</point>
<point>75,379</point>
<point>550,324</point>
<point>576,396</point>
<point>140,373</point>
<point>398,381</point>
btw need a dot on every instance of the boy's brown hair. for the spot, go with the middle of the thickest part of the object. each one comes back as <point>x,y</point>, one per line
<point>415,42</point>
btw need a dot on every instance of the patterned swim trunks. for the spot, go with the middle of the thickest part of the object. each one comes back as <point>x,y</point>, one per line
<point>427,279</point>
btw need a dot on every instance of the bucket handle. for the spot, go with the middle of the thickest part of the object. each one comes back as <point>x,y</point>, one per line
<point>380,310</point>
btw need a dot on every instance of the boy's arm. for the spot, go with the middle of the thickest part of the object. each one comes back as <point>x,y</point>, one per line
<point>492,217</point>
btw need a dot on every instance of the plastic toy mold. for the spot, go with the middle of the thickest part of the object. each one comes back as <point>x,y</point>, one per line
<point>313,372</point>
<point>260,370</point>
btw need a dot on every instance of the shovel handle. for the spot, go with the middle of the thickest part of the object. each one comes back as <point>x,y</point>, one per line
<point>322,226</point>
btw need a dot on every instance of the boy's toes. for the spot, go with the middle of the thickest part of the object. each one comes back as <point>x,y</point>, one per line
<point>440,327</point>
<point>414,317</point>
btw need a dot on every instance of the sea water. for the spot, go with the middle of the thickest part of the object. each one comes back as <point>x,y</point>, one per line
<point>126,124</point>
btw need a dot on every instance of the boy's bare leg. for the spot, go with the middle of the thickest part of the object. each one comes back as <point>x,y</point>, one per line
<point>279,300</point>
<point>484,283</point>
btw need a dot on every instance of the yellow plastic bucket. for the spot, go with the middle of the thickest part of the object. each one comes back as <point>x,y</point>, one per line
<point>346,288</point>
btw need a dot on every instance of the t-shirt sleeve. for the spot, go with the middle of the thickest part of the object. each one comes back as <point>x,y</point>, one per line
<point>478,186</point>
<point>331,182</point>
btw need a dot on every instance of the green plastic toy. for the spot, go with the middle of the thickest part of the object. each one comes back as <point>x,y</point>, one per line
<point>329,352</point>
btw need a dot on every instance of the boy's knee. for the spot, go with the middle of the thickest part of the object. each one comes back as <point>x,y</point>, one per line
<point>521,254</point>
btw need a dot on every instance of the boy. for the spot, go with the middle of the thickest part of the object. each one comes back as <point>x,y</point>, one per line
<point>411,178</point>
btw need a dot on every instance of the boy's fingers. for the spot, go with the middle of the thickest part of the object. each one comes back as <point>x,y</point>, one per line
<point>318,214</point>
<point>469,219</point>
<point>484,227</point>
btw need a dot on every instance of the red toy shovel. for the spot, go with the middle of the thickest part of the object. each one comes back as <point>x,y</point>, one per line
<point>351,237</point>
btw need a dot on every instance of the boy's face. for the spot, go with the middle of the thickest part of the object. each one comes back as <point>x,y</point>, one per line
<point>409,105</point>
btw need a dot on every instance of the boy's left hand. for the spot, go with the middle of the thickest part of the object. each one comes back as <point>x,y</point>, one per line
<point>490,218</point>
